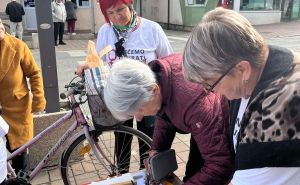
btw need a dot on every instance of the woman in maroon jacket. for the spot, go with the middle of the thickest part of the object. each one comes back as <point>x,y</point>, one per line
<point>135,89</point>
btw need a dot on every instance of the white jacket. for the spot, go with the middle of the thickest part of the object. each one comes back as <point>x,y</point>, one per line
<point>59,13</point>
<point>3,155</point>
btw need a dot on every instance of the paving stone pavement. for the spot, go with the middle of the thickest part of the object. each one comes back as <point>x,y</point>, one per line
<point>51,175</point>
<point>284,29</point>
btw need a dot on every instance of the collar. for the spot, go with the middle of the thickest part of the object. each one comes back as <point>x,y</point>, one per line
<point>279,62</point>
<point>7,54</point>
<point>126,27</point>
<point>163,74</point>
<point>135,22</point>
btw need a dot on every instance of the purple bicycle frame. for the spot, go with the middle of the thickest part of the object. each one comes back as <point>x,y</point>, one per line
<point>79,120</point>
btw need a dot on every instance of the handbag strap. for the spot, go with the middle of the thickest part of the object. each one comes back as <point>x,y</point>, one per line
<point>120,49</point>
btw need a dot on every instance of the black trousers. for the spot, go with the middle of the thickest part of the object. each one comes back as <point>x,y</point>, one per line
<point>14,182</point>
<point>20,162</point>
<point>59,31</point>
<point>123,143</point>
<point>195,161</point>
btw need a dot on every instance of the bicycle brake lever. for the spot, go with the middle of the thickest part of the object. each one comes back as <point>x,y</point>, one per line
<point>70,85</point>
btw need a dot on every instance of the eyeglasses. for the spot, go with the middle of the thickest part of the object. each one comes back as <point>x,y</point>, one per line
<point>209,87</point>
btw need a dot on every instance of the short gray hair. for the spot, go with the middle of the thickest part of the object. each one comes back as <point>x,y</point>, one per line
<point>129,85</point>
<point>221,39</point>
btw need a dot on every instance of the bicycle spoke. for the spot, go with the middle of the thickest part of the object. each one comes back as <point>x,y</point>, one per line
<point>82,169</point>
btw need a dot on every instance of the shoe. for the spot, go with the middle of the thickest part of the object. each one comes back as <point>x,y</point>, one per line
<point>73,33</point>
<point>62,43</point>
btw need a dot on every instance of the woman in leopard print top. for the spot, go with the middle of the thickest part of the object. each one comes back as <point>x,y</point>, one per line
<point>227,55</point>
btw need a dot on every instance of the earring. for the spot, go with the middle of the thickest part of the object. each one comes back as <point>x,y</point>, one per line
<point>245,82</point>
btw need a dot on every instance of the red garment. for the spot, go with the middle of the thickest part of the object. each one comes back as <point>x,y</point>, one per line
<point>189,108</point>
<point>71,25</point>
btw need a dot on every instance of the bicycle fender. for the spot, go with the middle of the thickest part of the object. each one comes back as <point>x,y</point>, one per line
<point>71,140</point>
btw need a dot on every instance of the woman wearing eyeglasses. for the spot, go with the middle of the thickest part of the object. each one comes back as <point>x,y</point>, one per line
<point>133,37</point>
<point>230,57</point>
<point>180,106</point>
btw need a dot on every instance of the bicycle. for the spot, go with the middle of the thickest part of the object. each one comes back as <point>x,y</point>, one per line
<point>92,152</point>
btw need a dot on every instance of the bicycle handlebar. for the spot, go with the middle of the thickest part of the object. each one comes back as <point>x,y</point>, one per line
<point>67,93</point>
<point>74,88</point>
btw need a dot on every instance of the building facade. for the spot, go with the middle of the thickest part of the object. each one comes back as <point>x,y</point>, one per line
<point>180,14</point>
<point>187,13</point>
<point>174,14</point>
<point>89,17</point>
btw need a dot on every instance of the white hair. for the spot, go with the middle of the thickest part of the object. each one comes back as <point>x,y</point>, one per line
<point>129,85</point>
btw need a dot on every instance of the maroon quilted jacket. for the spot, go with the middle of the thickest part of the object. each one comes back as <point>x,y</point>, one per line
<point>188,108</point>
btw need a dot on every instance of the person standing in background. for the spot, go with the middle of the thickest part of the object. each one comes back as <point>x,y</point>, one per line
<point>71,16</point>
<point>15,11</point>
<point>59,15</point>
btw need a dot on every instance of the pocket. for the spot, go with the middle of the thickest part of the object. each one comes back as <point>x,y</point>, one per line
<point>20,93</point>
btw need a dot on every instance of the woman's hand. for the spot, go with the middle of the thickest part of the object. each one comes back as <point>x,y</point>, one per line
<point>152,153</point>
<point>80,68</point>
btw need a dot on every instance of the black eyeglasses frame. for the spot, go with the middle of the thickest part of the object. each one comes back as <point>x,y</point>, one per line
<point>211,87</point>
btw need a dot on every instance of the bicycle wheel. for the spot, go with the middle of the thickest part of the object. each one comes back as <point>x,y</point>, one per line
<point>79,164</point>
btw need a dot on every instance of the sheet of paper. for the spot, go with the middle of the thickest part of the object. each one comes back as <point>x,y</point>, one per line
<point>140,177</point>
<point>3,127</point>
<point>123,178</point>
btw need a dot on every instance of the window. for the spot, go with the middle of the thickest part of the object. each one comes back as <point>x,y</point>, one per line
<point>85,3</point>
<point>260,5</point>
<point>29,3</point>
<point>200,2</point>
<point>82,3</point>
<point>195,2</point>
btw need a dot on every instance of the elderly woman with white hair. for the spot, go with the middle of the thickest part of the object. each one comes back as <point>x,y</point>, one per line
<point>136,90</point>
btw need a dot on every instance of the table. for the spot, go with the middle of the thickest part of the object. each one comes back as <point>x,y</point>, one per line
<point>139,177</point>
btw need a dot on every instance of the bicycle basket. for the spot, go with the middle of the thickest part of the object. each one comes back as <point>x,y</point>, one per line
<point>95,80</point>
